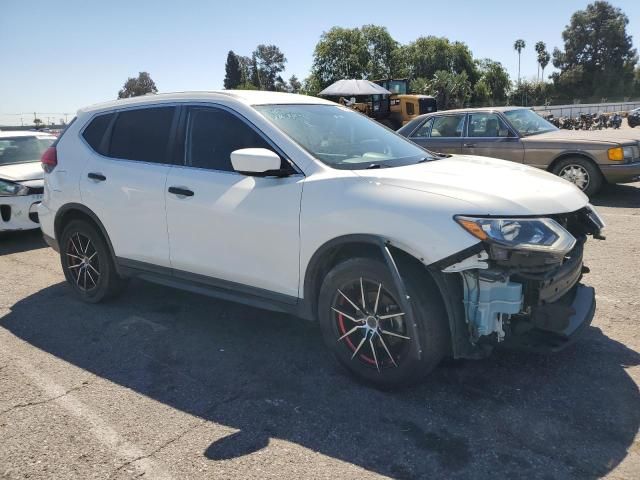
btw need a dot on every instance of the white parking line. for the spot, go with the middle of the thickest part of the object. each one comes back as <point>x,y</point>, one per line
<point>101,430</point>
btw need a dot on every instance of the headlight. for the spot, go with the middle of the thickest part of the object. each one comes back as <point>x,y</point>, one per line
<point>537,234</point>
<point>628,153</point>
<point>10,189</point>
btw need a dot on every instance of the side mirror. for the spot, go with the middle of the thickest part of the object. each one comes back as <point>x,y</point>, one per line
<point>257,162</point>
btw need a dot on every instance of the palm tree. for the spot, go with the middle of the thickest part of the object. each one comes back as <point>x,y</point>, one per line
<point>518,46</point>
<point>543,60</point>
<point>540,47</point>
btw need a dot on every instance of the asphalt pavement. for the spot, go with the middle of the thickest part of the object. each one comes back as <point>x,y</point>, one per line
<point>166,384</point>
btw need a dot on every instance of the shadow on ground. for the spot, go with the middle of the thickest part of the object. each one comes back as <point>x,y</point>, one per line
<point>514,415</point>
<point>623,196</point>
<point>21,241</point>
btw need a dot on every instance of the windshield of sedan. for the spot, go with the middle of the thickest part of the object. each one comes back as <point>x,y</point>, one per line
<point>527,122</point>
<point>342,138</point>
<point>23,149</point>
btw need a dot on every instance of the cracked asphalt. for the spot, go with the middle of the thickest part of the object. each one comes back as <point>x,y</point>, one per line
<point>164,384</point>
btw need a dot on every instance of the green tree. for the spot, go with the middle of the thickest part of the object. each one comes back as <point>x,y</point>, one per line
<point>268,61</point>
<point>495,83</point>
<point>37,122</point>
<point>340,53</point>
<point>427,55</point>
<point>543,57</point>
<point>529,93</point>
<point>598,59</point>
<point>233,74</point>
<point>134,87</point>
<point>518,46</point>
<point>294,85</point>
<point>450,89</point>
<point>245,64</point>
<point>381,52</point>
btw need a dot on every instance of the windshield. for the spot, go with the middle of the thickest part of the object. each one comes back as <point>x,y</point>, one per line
<point>23,149</point>
<point>527,122</point>
<point>342,138</point>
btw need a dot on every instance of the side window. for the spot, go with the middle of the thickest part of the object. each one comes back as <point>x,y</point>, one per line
<point>487,125</point>
<point>142,134</point>
<point>424,130</point>
<point>448,126</point>
<point>410,109</point>
<point>94,132</point>
<point>212,134</point>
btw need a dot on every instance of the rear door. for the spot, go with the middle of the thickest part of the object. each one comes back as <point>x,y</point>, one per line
<point>488,135</point>
<point>125,176</point>
<point>441,133</point>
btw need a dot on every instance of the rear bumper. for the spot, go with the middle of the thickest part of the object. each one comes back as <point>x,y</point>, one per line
<point>582,301</point>
<point>19,213</point>
<point>625,173</point>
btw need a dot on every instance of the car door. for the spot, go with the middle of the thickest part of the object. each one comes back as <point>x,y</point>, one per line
<point>124,179</point>
<point>441,133</point>
<point>488,135</point>
<point>232,227</point>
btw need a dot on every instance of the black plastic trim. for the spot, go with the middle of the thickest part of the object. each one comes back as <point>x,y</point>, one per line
<point>213,287</point>
<point>52,242</point>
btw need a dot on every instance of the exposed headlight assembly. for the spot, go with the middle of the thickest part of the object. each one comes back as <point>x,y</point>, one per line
<point>533,234</point>
<point>10,189</point>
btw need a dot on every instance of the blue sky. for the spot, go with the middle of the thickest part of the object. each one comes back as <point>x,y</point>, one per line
<point>58,56</point>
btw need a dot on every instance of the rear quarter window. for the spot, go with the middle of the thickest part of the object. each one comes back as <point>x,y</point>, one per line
<point>94,132</point>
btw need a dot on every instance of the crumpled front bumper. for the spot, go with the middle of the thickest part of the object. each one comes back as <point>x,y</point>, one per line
<point>582,300</point>
<point>19,212</point>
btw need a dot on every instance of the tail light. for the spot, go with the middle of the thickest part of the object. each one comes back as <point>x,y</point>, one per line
<point>49,159</point>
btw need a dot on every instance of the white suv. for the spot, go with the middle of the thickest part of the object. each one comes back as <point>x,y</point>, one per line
<point>300,205</point>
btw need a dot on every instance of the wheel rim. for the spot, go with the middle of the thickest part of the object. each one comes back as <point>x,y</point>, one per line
<point>370,323</point>
<point>83,262</point>
<point>576,174</point>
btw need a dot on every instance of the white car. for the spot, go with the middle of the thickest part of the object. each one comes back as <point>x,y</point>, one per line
<point>21,182</point>
<point>300,205</point>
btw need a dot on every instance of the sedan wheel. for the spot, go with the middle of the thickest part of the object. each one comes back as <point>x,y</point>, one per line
<point>577,175</point>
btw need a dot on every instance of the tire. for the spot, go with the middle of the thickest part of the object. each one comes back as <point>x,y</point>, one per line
<point>416,349</point>
<point>576,169</point>
<point>87,263</point>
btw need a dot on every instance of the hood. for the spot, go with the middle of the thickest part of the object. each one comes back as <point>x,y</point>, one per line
<point>581,136</point>
<point>489,186</point>
<point>19,172</point>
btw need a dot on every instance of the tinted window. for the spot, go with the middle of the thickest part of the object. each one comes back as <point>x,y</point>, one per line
<point>487,125</point>
<point>94,132</point>
<point>423,131</point>
<point>448,126</point>
<point>212,134</point>
<point>142,134</point>
<point>410,109</point>
<point>23,149</point>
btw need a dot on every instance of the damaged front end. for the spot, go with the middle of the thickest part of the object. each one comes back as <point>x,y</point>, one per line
<point>521,288</point>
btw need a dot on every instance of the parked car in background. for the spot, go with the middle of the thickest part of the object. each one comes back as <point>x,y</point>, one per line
<point>587,159</point>
<point>21,178</point>
<point>633,118</point>
<point>297,204</point>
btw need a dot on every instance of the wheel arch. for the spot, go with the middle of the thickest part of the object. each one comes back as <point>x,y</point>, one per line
<point>572,154</point>
<point>449,286</point>
<point>77,211</point>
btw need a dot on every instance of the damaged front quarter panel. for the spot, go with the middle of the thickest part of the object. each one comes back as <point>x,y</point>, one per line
<point>528,299</point>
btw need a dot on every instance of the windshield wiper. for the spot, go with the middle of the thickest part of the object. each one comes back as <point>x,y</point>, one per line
<point>373,165</point>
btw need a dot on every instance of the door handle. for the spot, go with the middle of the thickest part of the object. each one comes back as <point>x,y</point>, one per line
<point>185,192</point>
<point>468,145</point>
<point>96,176</point>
